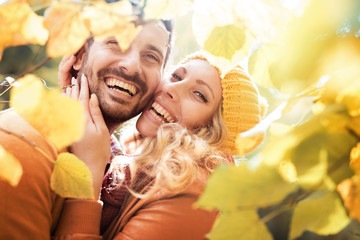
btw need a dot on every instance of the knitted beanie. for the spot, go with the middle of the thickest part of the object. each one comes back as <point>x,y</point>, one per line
<point>242,110</point>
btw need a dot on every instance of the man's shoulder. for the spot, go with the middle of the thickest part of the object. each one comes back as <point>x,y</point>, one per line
<point>15,130</point>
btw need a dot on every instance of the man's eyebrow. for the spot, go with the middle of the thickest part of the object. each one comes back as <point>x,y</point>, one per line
<point>156,49</point>
<point>199,81</point>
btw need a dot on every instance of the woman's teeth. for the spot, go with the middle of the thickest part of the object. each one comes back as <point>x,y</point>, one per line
<point>160,113</point>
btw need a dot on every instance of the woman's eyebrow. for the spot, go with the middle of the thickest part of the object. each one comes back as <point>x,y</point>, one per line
<point>201,82</point>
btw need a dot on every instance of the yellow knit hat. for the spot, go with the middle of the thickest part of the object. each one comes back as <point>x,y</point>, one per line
<point>242,110</point>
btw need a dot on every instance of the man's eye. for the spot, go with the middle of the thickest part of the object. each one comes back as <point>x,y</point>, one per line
<point>153,57</point>
<point>113,42</point>
<point>176,76</point>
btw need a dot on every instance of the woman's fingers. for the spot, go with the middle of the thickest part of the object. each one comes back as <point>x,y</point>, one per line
<point>64,74</point>
<point>75,89</point>
<point>84,94</point>
<point>96,115</point>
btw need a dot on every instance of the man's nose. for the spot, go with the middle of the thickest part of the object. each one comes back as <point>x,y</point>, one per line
<point>130,62</point>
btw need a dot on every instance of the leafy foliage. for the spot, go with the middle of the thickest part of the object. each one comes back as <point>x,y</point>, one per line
<point>305,58</point>
<point>20,25</point>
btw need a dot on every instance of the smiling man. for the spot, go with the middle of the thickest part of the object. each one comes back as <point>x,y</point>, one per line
<point>124,82</point>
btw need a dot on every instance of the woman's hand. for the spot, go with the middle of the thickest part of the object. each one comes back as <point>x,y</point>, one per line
<point>94,147</point>
<point>65,71</point>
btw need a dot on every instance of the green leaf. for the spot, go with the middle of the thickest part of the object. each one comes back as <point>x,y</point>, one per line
<point>71,177</point>
<point>310,167</point>
<point>316,173</point>
<point>322,213</point>
<point>10,167</point>
<point>224,41</point>
<point>239,225</point>
<point>231,187</point>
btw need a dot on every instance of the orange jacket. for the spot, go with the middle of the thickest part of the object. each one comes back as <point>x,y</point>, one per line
<point>32,210</point>
<point>29,210</point>
<point>161,216</point>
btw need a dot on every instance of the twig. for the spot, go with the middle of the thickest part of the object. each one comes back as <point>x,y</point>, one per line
<point>35,67</point>
<point>29,142</point>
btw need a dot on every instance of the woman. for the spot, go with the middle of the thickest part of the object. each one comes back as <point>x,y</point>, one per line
<point>149,190</point>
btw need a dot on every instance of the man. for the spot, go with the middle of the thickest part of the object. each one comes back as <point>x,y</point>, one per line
<point>123,83</point>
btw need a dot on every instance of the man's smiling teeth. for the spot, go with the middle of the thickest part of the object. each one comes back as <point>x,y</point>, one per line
<point>125,88</point>
<point>160,113</point>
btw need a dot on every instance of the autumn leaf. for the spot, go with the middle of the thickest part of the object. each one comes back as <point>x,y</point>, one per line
<point>354,125</point>
<point>164,9</point>
<point>322,213</point>
<point>349,190</point>
<point>355,158</point>
<point>20,25</point>
<point>239,225</point>
<point>58,118</point>
<point>224,41</point>
<point>112,19</point>
<point>71,178</point>
<point>232,187</point>
<point>11,169</point>
<point>68,32</point>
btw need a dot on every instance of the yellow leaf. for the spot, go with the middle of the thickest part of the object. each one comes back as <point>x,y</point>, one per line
<point>68,32</point>
<point>316,173</point>
<point>58,118</point>
<point>349,190</point>
<point>231,187</point>
<point>350,97</point>
<point>208,15</point>
<point>165,9</point>
<point>322,213</point>
<point>71,178</point>
<point>113,19</point>
<point>20,25</point>
<point>11,170</point>
<point>354,125</point>
<point>287,171</point>
<point>355,158</point>
<point>224,41</point>
<point>239,225</point>
<point>259,63</point>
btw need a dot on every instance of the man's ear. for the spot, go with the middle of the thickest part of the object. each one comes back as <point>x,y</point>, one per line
<point>80,55</point>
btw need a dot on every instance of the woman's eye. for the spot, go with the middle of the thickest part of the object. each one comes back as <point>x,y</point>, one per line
<point>176,76</point>
<point>201,96</point>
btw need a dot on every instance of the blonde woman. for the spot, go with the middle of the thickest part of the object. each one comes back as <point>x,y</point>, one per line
<point>149,190</point>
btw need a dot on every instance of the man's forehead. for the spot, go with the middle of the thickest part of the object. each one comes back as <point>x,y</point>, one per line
<point>154,33</point>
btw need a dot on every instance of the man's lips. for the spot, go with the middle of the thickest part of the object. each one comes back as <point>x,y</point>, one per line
<point>121,86</point>
<point>161,114</point>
